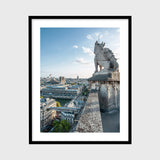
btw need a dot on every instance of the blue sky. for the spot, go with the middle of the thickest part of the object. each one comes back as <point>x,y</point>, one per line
<point>68,52</point>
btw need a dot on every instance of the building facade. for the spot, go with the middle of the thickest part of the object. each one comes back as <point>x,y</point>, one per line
<point>68,117</point>
<point>61,91</point>
<point>62,80</point>
<point>46,116</point>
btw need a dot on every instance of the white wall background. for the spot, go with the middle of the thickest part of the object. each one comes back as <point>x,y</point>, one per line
<point>14,79</point>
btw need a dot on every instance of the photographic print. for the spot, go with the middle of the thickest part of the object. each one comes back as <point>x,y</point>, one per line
<point>80,79</point>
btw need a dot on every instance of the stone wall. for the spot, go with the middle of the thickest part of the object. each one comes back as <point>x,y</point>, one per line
<point>109,96</point>
<point>90,120</point>
<point>108,87</point>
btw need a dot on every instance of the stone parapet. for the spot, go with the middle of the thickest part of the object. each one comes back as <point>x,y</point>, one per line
<point>90,120</point>
<point>102,78</point>
<point>108,87</point>
<point>109,96</point>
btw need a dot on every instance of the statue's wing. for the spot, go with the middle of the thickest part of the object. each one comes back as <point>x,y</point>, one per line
<point>108,54</point>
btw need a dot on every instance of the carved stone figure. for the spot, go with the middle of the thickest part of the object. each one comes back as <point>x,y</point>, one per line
<point>105,59</point>
<point>107,78</point>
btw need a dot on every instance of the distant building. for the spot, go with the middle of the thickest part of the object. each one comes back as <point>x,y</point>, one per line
<point>50,76</point>
<point>77,77</point>
<point>67,116</point>
<point>62,80</point>
<point>61,91</point>
<point>77,87</point>
<point>53,81</point>
<point>46,116</point>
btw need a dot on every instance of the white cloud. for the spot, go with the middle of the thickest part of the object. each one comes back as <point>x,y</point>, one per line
<point>87,50</point>
<point>100,36</point>
<point>81,61</point>
<point>106,33</point>
<point>116,44</point>
<point>117,53</point>
<point>75,46</point>
<point>89,37</point>
<point>97,34</point>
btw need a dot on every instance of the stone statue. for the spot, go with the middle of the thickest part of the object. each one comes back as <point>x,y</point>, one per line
<point>107,80</point>
<point>105,59</point>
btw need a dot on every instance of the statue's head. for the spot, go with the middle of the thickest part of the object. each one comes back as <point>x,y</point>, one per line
<point>98,47</point>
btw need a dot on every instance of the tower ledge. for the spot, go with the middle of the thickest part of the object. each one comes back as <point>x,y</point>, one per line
<point>90,120</point>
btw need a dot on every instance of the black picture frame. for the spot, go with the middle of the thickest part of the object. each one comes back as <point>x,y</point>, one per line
<point>129,18</point>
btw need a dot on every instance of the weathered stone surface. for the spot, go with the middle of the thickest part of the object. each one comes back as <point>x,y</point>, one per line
<point>108,78</point>
<point>100,77</point>
<point>103,97</point>
<point>111,121</point>
<point>90,120</point>
<point>105,59</point>
<point>115,76</point>
<point>109,96</point>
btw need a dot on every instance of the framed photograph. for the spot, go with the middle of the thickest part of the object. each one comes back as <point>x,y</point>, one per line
<point>80,79</point>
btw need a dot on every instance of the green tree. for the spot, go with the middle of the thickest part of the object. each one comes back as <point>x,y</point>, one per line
<point>58,104</point>
<point>62,126</point>
<point>66,125</point>
<point>55,123</point>
<point>86,92</point>
<point>41,96</point>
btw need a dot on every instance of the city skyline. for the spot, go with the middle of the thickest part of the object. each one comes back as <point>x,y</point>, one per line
<point>68,52</point>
